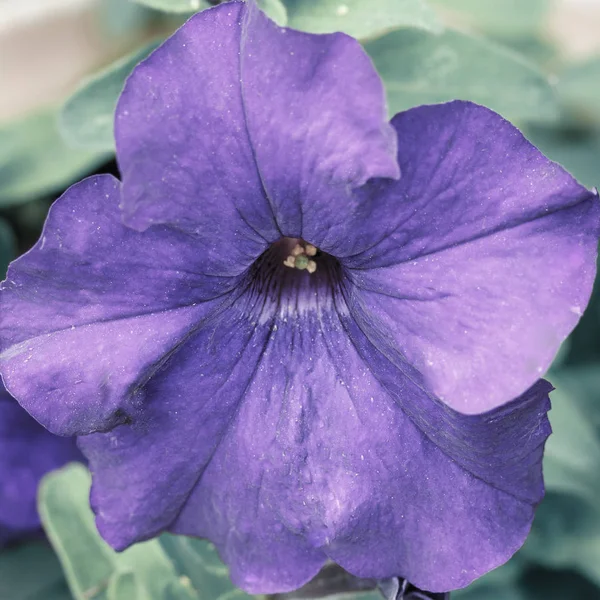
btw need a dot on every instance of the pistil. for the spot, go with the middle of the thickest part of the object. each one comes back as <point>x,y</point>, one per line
<point>300,259</point>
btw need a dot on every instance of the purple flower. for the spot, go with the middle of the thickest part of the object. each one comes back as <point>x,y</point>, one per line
<point>27,453</point>
<point>296,329</point>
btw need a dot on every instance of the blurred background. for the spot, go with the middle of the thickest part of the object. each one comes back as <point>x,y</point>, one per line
<point>537,62</point>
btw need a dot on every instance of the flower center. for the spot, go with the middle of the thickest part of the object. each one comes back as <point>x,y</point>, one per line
<point>301,257</point>
<point>293,276</point>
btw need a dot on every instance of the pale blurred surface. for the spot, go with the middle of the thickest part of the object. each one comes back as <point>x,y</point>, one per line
<point>575,24</point>
<point>47,46</point>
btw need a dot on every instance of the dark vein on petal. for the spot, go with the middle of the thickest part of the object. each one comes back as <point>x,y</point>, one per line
<point>433,399</point>
<point>115,319</point>
<point>231,421</point>
<point>584,198</point>
<point>244,10</point>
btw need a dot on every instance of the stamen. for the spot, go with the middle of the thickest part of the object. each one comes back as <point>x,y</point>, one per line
<point>299,258</point>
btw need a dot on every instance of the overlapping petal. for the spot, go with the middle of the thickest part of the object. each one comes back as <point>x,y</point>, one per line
<point>236,128</point>
<point>92,311</point>
<point>485,255</point>
<point>187,407</point>
<point>316,119</point>
<point>326,449</point>
<point>27,452</point>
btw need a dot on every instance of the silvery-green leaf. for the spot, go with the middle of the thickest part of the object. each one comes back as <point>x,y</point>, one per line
<point>175,6</point>
<point>198,560</point>
<point>274,8</point>
<point>535,49</point>
<point>123,585</point>
<point>566,530</point>
<point>579,87</point>
<point>358,18</point>
<point>506,18</point>
<point>566,535</point>
<point>418,67</point>
<point>572,453</point>
<point>120,18</point>
<point>87,117</point>
<point>92,568</point>
<point>35,160</point>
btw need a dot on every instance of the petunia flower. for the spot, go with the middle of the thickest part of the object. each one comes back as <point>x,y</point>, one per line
<point>299,330</point>
<point>27,453</point>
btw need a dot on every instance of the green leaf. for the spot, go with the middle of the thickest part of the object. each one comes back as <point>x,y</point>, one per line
<point>87,117</point>
<point>175,6</point>
<point>92,568</point>
<point>536,49</point>
<point>355,17</point>
<point>579,88</point>
<point>421,68</point>
<point>276,11</point>
<point>32,572</point>
<point>198,560</point>
<point>35,160</point>
<point>566,535</point>
<point>509,18</point>
<point>274,8</point>
<point>572,453</point>
<point>125,585</point>
<point>566,530</point>
<point>358,18</point>
<point>120,18</point>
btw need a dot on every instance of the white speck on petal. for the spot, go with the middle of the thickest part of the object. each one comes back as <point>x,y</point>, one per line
<point>342,10</point>
<point>577,310</point>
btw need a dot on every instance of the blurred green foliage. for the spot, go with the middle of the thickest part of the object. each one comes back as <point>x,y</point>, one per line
<point>35,159</point>
<point>495,52</point>
<point>362,20</point>
<point>32,572</point>
<point>511,18</point>
<point>86,119</point>
<point>91,567</point>
<point>8,245</point>
<point>419,67</point>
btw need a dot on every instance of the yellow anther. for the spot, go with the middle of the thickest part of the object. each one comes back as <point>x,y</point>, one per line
<point>297,250</point>
<point>311,267</point>
<point>310,250</point>
<point>290,261</point>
